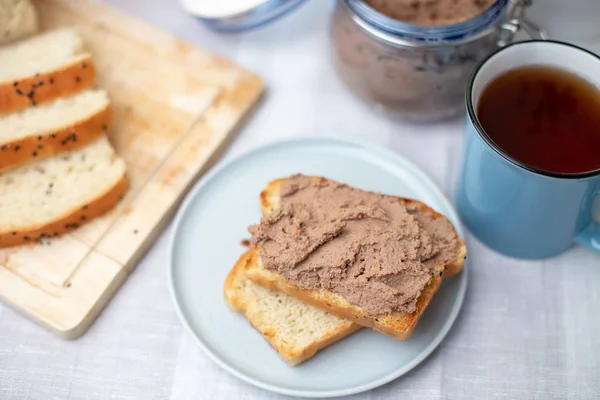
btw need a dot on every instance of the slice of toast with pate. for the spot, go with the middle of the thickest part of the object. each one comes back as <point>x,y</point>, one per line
<point>389,292</point>
<point>294,329</point>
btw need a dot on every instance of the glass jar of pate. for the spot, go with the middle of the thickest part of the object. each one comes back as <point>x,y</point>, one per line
<point>418,72</point>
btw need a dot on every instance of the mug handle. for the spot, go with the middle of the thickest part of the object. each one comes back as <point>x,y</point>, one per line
<point>590,237</point>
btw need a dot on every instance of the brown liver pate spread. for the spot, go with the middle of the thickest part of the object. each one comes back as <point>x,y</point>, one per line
<point>431,12</point>
<point>371,248</point>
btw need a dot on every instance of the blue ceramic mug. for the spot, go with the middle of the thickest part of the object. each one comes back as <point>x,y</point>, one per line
<point>512,207</point>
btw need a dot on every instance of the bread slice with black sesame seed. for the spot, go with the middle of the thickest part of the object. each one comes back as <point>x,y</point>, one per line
<point>51,128</point>
<point>294,329</point>
<point>42,68</point>
<point>47,197</point>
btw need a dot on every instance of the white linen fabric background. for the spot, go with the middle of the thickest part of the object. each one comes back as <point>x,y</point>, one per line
<point>528,329</point>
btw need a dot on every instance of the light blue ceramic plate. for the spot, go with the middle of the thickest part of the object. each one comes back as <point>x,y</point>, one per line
<point>206,243</point>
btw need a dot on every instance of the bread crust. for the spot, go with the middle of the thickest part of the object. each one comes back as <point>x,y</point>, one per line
<point>71,220</point>
<point>68,79</point>
<point>44,144</point>
<point>291,355</point>
<point>397,325</point>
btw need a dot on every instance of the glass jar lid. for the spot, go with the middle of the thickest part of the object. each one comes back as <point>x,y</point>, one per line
<point>238,15</point>
<point>405,33</point>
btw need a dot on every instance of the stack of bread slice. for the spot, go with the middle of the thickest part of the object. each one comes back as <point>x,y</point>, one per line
<point>299,322</point>
<point>58,169</point>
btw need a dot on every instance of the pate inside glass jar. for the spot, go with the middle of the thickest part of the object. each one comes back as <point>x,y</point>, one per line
<point>417,72</point>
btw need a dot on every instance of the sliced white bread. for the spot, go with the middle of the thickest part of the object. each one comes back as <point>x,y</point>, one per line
<point>42,68</point>
<point>47,129</point>
<point>47,197</point>
<point>18,19</point>
<point>295,329</point>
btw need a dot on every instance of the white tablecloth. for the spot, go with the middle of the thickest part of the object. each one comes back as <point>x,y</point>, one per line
<point>528,329</point>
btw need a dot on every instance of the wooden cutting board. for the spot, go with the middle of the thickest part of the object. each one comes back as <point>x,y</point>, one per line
<point>175,107</point>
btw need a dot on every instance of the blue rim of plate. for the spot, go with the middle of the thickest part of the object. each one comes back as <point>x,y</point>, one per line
<point>384,153</point>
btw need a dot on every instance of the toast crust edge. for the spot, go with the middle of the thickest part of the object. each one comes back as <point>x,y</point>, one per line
<point>397,325</point>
